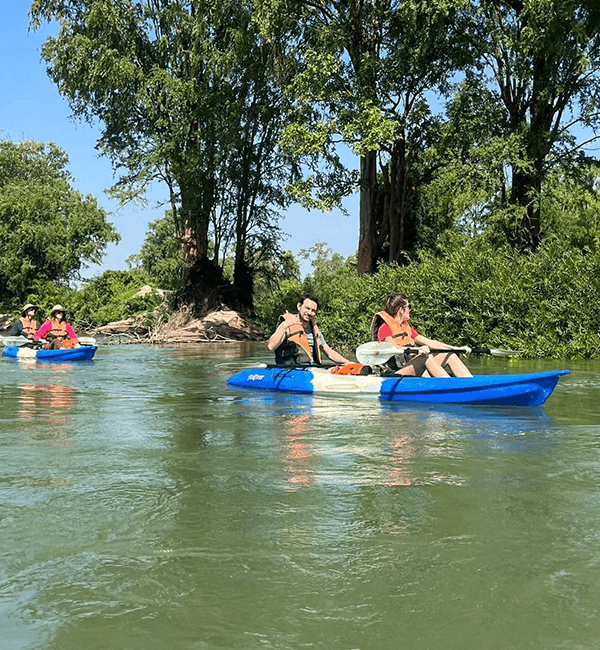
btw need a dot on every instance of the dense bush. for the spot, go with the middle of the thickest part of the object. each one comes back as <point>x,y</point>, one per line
<point>546,304</point>
<point>107,297</point>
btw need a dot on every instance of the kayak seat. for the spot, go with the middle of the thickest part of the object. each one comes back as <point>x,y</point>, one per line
<point>352,369</point>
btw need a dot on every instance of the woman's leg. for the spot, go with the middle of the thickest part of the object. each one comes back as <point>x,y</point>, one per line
<point>422,365</point>
<point>452,361</point>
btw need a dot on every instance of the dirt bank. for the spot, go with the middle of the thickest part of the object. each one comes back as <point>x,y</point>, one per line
<point>221,325</point>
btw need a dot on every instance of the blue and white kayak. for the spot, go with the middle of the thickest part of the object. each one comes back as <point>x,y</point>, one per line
<point>530,389</point>
<point>82,353</point>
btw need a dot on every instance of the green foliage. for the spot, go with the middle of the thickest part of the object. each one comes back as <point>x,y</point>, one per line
<point>112,296</point>
<point>161,256</point>
<point>108,297</point>
<point>270,305</point>
<point>546,304</point>
<point>185,93</point>
<point>48,230</point>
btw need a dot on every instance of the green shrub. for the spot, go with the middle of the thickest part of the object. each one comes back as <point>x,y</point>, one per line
<point>112,296</point>
<point>546,304</point>
<point>106,298</point>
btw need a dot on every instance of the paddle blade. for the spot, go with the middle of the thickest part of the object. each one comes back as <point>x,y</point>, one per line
<point>14,341</point>
<point>86,340</point>
<point>375,353</point>
<point>495,352</point>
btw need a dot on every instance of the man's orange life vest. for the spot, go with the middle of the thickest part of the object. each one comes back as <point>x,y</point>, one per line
<point>29,327</point>
<point>295,349</point>
<point>402,334</point>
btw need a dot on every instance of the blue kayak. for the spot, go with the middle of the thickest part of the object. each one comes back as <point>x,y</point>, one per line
<point>82,353</point>
<point>530,389</point>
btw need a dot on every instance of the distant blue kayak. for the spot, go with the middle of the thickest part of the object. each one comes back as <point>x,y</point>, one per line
<point>530,389</point>
<point>83,353</point>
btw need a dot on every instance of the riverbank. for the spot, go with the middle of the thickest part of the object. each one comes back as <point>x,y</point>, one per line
<point>181,327</point>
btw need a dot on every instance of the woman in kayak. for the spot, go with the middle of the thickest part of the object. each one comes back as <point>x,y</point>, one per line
<point>392,325</point>
<point>56,331</point>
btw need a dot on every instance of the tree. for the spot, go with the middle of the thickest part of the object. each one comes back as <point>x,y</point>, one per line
<point>178,87</point>
<point>541,60</point>
<point>366,69</point>
<point>48,230</point>
<point>161,256</point>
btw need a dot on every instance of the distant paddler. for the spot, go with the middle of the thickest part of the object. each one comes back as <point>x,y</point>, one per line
<point>56,332</point>
<point>27,325</point>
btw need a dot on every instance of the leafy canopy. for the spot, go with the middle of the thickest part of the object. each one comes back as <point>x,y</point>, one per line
<point>48,230</point>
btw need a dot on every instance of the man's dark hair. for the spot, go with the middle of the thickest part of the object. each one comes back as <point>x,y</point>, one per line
<point>309,296</point>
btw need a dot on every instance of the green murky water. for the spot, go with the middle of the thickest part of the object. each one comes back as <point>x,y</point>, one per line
<point>143,504</point>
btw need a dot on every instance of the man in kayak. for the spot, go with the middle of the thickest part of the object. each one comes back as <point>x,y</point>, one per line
<point>27,325</point>
<point>294,339</point>
<point>414,357</point>
<point>56,331</point>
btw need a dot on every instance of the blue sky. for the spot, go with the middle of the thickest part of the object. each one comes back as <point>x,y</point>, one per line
<point>32,109</point>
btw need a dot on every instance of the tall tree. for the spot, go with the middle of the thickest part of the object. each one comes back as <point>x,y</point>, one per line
<point>167,80</point>
<point>48,230</point>
<point>368,66</point>
<point>541,59</point>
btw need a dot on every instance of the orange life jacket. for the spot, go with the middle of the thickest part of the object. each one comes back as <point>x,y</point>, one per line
<point>58,330</point>
<point>351,369</point>
<point>402,334</point>
<point>29,326</point>
<point>295,348</point>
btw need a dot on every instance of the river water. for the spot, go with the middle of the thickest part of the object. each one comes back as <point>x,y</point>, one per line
<point>145,505</point>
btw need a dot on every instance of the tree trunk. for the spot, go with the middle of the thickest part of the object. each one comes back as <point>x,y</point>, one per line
<point>367,239</point>
<point>527,233</point>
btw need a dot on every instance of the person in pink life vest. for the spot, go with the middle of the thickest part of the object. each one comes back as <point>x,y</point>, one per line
<point>56,331</point>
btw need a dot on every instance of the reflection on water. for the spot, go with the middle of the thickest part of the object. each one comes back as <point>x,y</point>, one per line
<point>144,505</point>
<point>50,402</point>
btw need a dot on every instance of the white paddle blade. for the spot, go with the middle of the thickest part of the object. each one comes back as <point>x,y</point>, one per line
<point>376,353</point>
<point>86,340</point>
<point>495,352</point>
<point>14,341</point>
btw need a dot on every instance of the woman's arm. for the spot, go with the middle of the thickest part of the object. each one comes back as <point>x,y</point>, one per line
<point>44,329</point>
<point>438,345</point>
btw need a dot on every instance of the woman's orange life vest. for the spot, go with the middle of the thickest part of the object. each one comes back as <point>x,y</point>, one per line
<point>402,334</point>
<point>295,348</point>
<point>58,330</point>
<point>29,326</point>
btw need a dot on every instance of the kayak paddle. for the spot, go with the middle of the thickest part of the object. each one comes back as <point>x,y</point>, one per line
<point>14,341</point>
<point>376,353</point>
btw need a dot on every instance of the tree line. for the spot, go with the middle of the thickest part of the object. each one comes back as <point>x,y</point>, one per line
<point>469,119</point>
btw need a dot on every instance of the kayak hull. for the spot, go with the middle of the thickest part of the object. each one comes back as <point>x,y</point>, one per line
<point>83,353</point>
<point>529,389</point>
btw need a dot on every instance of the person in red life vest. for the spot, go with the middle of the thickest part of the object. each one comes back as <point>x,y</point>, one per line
<point>56,331</point>
<point>294,339</point>
<point>27,325</point>
<point>392,325</point>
